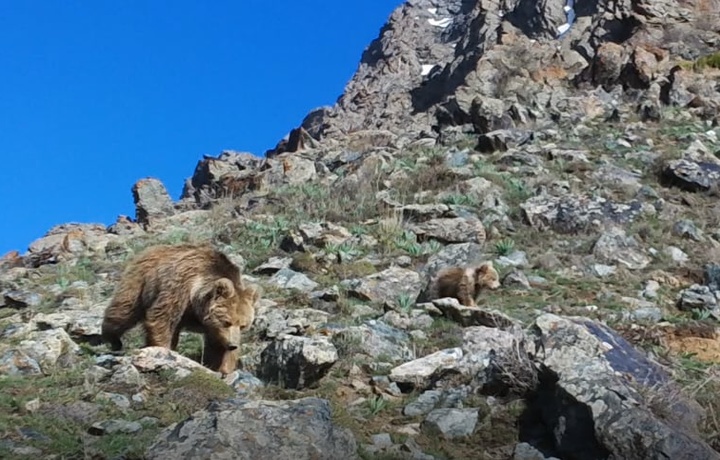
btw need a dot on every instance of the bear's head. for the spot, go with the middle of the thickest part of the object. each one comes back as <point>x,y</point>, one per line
<point>486,277</point>
<point>230,312</point>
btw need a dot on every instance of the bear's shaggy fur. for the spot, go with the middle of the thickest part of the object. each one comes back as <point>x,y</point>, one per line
<point>175,287</point>
<point>464,283</point>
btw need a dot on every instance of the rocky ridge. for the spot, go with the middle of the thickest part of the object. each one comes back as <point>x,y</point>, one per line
<point>581,157</point>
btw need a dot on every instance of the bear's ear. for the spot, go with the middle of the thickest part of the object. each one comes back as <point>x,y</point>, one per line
<point>223,288</point>
<point>484,268</point>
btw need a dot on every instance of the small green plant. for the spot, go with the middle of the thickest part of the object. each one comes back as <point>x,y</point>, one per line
<point>701,314</point>
<point>358,230</point>
<point>405,302</point>
<point>431,247</point>
<point>407,241</point>
<point>517,191</point>
<point>504,247</point>
<point>407,164</point>
<point>343,251</point>
<point>82,270</point>
<point>711,60</point>
<point>460,200</point>
<point>376,404</point>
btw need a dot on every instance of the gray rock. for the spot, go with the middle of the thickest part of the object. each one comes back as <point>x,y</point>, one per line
<point>676,254</point>
<point>118,400</point>
<point>711,276</point>
<point>697,297</point>
<point>417,372</point>
<point>423,404</point>
<point>385,286</point>
<point>114,426</point>
<point>451,230</point>
<point>687,229</point>
<point>271,321</point>
<point>301,429</point>
<point>297,362</point>
<point>154,359</point>
<point>524,451</point>
<point>20,299</point>
<point>274,265</point>
<point>502,140</point>
<point>289,279</point>
<point>570,213</point>
<point>244,383</point>
<point>692,176</point>
<point>603,270</point>
<point>517,259</point>
<point>472,316</point>
<point>649,314</point>
<point>375,339</point>
<point>450,423</point>
<point>39,352</point>
<point>609,415</point>
<point>650,291</point>
<point>151,200</point>
<point>613,175</point>
<point>381,440</point>
<point>516,279</point>
<point>616,246</point>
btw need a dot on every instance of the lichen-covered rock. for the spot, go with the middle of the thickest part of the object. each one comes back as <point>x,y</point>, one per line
<point>610,415</point>
<point>300,429</point>
<point>570,213</point>
<point>386,286</point>
<point>451,230</point>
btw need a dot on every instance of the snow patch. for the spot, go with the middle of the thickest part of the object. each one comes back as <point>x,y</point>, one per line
<point>432,10</point>
<point>426,68</point>
<point>563,28</point>
<point>444,22</point>
<point>567,8</point>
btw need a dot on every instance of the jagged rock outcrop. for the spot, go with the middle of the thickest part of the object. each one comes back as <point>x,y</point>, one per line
<point>496,64</point>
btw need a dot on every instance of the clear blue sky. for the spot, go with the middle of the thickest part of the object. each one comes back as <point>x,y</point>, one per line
<point>96,95</point>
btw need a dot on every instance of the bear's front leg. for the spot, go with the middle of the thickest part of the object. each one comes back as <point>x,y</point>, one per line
<point>229,362</point>
<point>218,358</point>
<point>161,323</point>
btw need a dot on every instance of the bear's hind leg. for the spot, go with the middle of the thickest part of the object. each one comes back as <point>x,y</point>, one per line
<point>121,315</point>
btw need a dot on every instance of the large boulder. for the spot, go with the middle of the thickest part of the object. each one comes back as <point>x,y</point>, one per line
<point>301,429</point>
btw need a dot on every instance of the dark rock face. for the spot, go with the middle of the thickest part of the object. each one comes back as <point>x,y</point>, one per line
<point>589,402</point>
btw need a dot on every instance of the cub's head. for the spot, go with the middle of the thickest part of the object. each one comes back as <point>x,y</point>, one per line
<point>230,312</point>
<point>486,277</point>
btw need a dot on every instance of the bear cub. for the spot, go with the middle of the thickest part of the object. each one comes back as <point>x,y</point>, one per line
<point>174,287</point>
<point>464,283</point>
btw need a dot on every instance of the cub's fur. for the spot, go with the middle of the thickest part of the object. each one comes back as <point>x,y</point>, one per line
<point>173,287</point>
<point>464,283</point>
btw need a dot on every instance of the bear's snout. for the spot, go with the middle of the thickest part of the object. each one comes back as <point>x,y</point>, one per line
<point>233,338</point>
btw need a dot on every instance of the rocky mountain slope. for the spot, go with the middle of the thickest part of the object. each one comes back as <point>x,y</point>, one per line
<point>574,145</point>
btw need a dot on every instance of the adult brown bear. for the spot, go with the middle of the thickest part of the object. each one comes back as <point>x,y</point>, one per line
<point>186,286</point>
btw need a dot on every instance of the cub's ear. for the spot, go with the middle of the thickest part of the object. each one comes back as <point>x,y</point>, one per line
<point>223,288</point>
<point>484,268</point>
